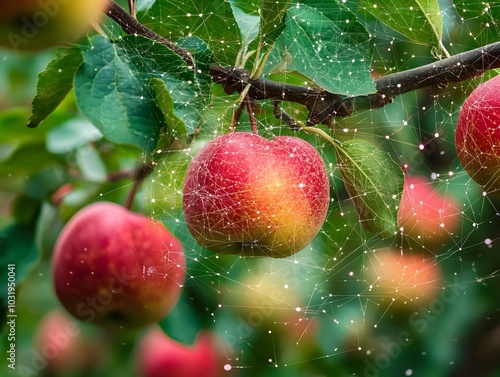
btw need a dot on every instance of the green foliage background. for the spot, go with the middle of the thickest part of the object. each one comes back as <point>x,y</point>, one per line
<point>88,130</point>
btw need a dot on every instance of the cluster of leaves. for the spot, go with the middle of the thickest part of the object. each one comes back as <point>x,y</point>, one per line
<point>136,90</point>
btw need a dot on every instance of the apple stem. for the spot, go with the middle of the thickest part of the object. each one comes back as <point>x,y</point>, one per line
<point>253,122</point>
<point>237,115</point>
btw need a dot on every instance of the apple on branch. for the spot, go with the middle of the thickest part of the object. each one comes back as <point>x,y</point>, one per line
<point>251,196</point>
<point>477,137</point>
<point>31,25</point>
<point>117,268</point>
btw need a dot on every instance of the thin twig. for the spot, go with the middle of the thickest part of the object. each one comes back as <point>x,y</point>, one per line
<point>142,172</point>
<point>249,106</point>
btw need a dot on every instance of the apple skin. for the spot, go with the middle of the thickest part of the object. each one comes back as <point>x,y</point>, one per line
<point>32,25</point>
<point>412,277</point>
<point>116,268</point>
<point>425,215</point>
<point>160,356</point>
<point>250,196</point>
<point>477,136</point>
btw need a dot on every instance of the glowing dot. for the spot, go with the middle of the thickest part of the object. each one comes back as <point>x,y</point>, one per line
<point>228,367</point>
<point>297,309</point>
<point>488,241</point>
<point>408,372</point>
<point>421,147</point>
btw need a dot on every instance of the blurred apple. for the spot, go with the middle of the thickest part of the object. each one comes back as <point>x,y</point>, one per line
<point>477,136</point>
<point>251,196</point>
<point>31,25</point>
<point>270,295</point>
<point>160,356</point>
<point>61,347</point>
<point>411,277</point>
<point>425,215</point>
<point>117,268</point>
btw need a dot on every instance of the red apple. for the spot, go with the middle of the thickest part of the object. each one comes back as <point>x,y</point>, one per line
<point>477,137</point>
<point>425,214</point>
<point>30,25</point>
<point>409,276</point>
<point>251,196</point>
<point>118,268</point>
<point>160,356</point>
<point>61,347</point>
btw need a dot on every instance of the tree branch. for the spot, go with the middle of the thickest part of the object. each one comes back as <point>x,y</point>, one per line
<point>130,25</point>
<point>323,105</point>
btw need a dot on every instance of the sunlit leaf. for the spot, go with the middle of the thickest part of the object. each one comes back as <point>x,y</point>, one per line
<point>419,20</point>
<point>247,23</point>
<point>374,182</point>
<point>328,45</point>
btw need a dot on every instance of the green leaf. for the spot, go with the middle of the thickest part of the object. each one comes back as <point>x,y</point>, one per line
<point>17,249</point>
<point>247,23</point>
<point>374,182</point>
<point>26,160</point>
<point>184,322</point>
<point>177,128</point>
<point>113,89</point>
<point>48,228</point>
<point>90,164</point>
<point>54,83</point>
<point>272,14</point>
<point>72,134</point>
<point>209,20</point>
<point>419,20</point>
<point>328,45</point>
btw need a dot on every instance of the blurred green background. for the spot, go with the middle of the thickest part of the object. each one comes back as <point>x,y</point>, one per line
<point>327,322</point>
